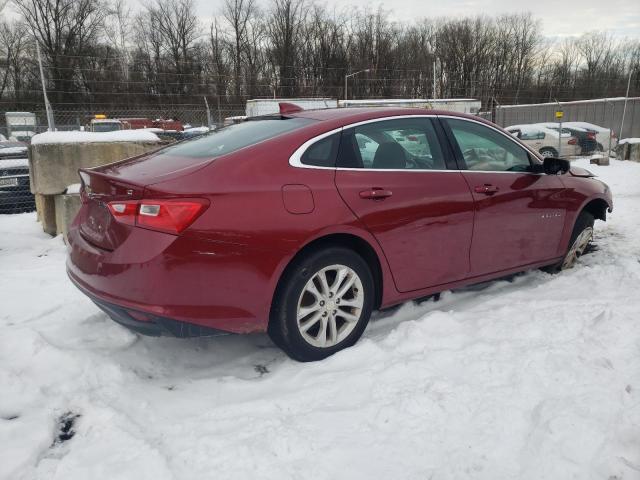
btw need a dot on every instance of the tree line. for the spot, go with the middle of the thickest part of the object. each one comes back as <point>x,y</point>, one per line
<point>100,54</point>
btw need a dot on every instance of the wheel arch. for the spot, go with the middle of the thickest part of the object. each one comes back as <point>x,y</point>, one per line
<point>597,207</point>
<point>349,240</point>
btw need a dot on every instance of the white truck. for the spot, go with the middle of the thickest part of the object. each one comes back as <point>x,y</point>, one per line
<point>267,106</point>
<point>460,105</point>
<point>21,126</point>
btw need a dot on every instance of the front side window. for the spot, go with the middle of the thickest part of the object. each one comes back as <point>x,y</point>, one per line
<point>401,144</point>
<point>484,149</point>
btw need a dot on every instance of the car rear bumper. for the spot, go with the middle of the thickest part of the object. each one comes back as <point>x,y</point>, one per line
<point>149,324</point>
<point>189,279</point>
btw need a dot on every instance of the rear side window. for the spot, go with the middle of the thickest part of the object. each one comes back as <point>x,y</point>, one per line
<point>323,152</point>
<point>532,135</point>
<point>234,137</point>
<point>399,144</point>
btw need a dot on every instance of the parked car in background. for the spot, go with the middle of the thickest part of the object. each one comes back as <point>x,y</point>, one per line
<point>15,191</point>
<point>136,123</point>
<point>586,137</point>
<point>545,140</point>
<point>193,132</point>
<point>168,124</point>
<point>279,224</point>
<point>106,125</point>
<point>604,136</point>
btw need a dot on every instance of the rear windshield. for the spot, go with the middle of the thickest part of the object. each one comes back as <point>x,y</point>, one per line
<point>234,137</point>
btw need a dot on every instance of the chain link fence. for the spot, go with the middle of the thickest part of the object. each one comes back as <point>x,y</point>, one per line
<point>15,195</point>
<point>195,116</point>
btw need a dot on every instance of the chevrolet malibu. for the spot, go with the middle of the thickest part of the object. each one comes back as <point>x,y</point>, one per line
<point>301,224</point>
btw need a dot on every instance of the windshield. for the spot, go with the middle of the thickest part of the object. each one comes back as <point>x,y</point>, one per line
<point>234,137</point>
<point>106,127</point>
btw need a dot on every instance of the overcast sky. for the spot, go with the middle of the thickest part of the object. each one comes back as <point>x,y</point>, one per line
<point>559,18</point>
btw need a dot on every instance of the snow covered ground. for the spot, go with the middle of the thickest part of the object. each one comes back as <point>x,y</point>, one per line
<point>537,377</point>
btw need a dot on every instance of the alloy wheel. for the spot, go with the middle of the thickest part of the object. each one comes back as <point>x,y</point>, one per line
<point>330,306</point>
<point>578,248</point>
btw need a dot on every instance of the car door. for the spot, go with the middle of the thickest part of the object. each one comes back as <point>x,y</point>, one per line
<point>393,175</point>
<point>519,214</point>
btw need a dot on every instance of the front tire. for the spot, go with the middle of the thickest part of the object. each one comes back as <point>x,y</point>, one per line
<point>580,238</point>
<point>323,304</point>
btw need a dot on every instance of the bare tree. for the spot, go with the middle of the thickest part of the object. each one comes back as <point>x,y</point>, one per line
<point>284,26</point>
<point>239,14</point>
<point>64,29</point>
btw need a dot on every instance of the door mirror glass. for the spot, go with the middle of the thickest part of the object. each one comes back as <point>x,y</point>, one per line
<point>555,166</point>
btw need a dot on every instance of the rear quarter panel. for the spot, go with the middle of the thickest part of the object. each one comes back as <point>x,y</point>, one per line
<point>244,241</point>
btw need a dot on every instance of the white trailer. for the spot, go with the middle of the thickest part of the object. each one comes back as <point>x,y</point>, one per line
<point>268,106</point>
<point>460,105</point>
<point>21,125</point>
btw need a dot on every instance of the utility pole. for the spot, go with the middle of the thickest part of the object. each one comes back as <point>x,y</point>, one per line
<point>434,95</point>
<point>209,122</point>
<point>559,115</point>
<point>47,105</point>
<point>351,75</point>
<point>624,109</point>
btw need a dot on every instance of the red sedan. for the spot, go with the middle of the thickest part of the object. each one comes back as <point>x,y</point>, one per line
<point>301,224</point>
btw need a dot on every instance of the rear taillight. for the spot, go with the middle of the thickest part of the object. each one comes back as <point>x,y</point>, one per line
<point>124,212</point>
<point>591,135</point>
<point>170,216</point>
<point>573,141</point>
<point>412,138</point>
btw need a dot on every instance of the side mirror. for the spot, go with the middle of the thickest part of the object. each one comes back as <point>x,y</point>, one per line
<point>555,166</point>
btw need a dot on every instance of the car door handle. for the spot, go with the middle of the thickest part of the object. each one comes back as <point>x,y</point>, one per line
<point>487,189</point>
<point>375,194</point>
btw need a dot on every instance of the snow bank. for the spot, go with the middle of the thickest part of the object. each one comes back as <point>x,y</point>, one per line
<point>13,162</point>
<point>93,137</point>
<point>533,128</point>
<point>533,377</point>
<point>197,130</point>
<point>12,150</point>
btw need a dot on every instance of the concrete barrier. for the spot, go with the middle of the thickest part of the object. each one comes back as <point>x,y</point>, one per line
<point>67,206</point>
<point>629,151</point>
<point>53,167</point>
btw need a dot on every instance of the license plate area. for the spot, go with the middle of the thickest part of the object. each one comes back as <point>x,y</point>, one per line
<point>8,182</point>
<point>97,222</point>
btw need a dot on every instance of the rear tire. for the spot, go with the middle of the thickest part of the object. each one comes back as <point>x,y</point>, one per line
<point>322,304</point>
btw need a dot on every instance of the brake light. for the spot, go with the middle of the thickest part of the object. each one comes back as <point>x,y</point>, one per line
<point>412,138</point>
<point>170,216</point>
<point>573,141</point>
<point>591,135</point>
<point>124,212</point>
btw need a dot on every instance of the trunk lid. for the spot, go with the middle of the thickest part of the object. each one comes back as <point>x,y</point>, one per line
<point>97,225</point>
<point>121,181</point>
